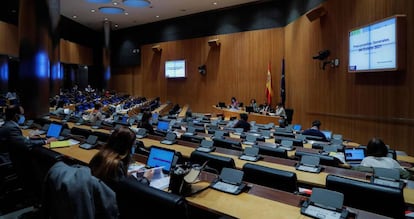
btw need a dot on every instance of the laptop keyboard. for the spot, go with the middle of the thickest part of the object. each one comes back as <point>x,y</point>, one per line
<point>222,186</point>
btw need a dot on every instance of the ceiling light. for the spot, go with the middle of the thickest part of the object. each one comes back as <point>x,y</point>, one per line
<point>99,1</point>
<point>111,10</point>
<point>93,10</point>
<point>137,3</point>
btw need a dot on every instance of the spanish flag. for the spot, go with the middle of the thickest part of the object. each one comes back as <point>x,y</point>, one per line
<point>269,91</point>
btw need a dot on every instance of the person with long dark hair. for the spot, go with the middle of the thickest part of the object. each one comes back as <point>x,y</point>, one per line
<point>111,163</point>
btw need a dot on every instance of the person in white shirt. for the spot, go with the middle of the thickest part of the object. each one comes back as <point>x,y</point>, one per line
<point>280,110</point>
<point>377,157</point>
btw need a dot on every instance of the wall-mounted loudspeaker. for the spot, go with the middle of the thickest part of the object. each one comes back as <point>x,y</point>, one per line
<point>202,69</point>
<point>316,13</point>
<point>214,42</point>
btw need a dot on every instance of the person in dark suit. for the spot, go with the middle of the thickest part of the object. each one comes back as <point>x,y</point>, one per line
<point>10,132</point>
<point>242,123</point>
<point>315,130</point>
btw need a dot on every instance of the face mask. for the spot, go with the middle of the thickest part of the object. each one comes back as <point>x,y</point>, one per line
<point>21,119</point>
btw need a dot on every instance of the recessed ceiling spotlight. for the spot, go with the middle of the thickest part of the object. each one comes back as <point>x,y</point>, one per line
<point>116,25</point>
<point>137,3</point>
<point>74,16</point>
<point>126,13</point>
<point>93,10</point>
<point>111,10</point>
<point>157,16</point>
<point>106,19</point>
<point>115,3</point>
<point>214,3</point>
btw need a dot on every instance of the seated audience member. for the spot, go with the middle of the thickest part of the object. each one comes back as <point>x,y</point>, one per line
<point>254,105</point>
<point>264,108</point>
<point>96,113</point>
<point>377,153</point>
<point>111,163</point>
<point>10,132</point>
<point>145,122</point>
<point>280,110</point>
<point>315,130</point>
<point>233,103</point>
<point>89,89</point>
<point>242,123</point>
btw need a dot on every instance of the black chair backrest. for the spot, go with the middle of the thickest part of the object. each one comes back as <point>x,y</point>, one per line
<point>289,115</point>
<point>296,142</point>
<point>135,199</point>
<point>215,162</point>
<point>102,136</point>
<point>274,178</point>
<point>379,199</point>
<point>274,152</point>
<point>324,159</point>
<point>80,131</point>
<point>227,143</point>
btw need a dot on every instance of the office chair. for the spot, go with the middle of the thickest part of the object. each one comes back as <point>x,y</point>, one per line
<point>273,178</point>
<point>289,115</point>
<point>215,162</point>
<point>379,199</point>
<point>135,199</point>
<point>80,132</point>
<point>274,152</point>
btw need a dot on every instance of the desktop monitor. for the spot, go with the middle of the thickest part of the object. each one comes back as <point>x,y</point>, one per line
<point>249,109</point>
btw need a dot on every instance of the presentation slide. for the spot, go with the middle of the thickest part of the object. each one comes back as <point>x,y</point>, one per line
<point>373,47</point>
<point>175,69</point>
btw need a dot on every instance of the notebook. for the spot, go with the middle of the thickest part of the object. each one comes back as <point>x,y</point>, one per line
<point>160,157</point>
<point>54,130</point>
<point>354,156</point>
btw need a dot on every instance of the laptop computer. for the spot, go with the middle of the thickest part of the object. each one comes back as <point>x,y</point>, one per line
<point>54,130</point>
<point>250,154</point>
<point>229,181</point>
<point>160,157</point>
<point>141,133</point>
<point>169,139</point>
<point>163,126</point>
<point>206,146</point>
<point>90,142</point>
<point>328,134</point>
<point>354,156</point>
<point>250,140</point>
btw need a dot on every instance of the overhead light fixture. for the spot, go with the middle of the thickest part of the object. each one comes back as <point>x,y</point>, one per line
<point>111,10</point>
<point>99,1</point>
<point>137,3</point>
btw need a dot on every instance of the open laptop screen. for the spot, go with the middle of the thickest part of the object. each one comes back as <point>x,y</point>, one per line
<point>54,130</point>
<point>160,157</point>
<point>354,154</point>
<point>163,125</point>
<point>328,134</point>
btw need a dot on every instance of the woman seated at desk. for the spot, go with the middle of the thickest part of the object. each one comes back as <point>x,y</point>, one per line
<point>280,110</point>
<point>234,104</point>
<point>377,153</point>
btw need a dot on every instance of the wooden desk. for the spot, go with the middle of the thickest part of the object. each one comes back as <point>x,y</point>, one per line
<point>183,111</point>
<point>259,118</point>
<point>161,109</point>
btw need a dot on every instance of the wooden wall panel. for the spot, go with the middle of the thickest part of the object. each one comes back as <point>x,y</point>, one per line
<point>9,40</point>
<point>359,106</point>
<point>73,53</point>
